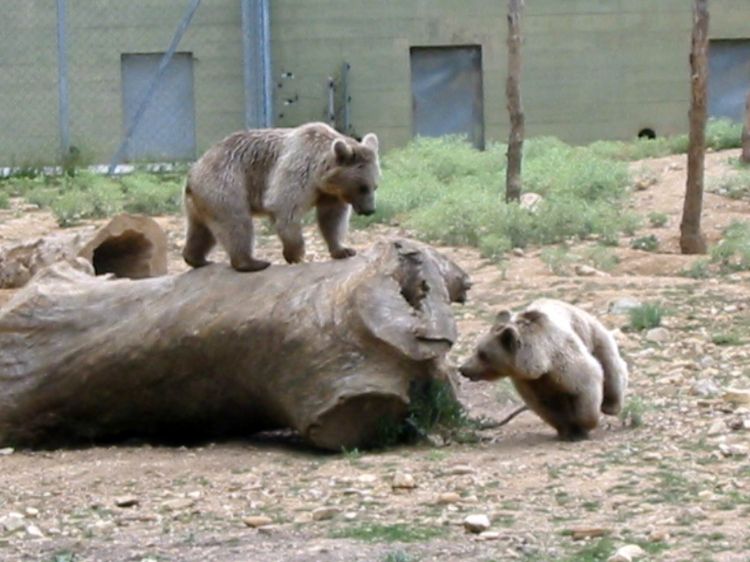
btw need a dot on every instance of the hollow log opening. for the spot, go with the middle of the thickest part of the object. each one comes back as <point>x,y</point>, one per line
<point>128,255</point>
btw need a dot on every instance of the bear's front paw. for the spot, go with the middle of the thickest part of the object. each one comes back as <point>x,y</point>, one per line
<point>343,253</point>
<point>294,255</point>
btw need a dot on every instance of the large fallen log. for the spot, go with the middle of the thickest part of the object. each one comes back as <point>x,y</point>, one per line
<point>132,246</point>
<point>330,349</point>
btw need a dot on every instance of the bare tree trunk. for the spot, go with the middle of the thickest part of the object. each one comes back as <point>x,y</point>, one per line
<point>692,240</point>
<point>330,349</point>
<point>515,108</point>
<point>745,156</point>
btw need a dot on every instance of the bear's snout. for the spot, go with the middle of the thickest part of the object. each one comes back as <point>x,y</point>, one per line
<point>367,211</point>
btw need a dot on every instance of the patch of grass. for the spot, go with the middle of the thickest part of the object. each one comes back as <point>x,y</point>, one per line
<point>558,260</point>
<point>64,556</point>
<point>732,253</point>
<point>645,316</point>
<point>381,532</point>
<point>151,194</point>
<point>727,338</point>
<point>698,270</point>
<point>657,219</point>
<point>734,186</point>
<point>597,551</point>
<point>4,200</point>
<point>632,412</point>
<point>446,191</point>
<point>648,243</point>
<point>601,257</point>
<point>672,487</point>
<point>399,556</point>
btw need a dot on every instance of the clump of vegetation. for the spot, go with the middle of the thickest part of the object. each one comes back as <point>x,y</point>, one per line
<point>558,259</point>
<point>734,186</point>
<point>601,257</point>
<point>733,252</point>
<point>657,219</point>
<point>4,200</point>
<point>698,270</point>
<point>645,316</point>
<point>648,243</point>
<point>380,532</point>
<point>446,191</point>
<point>727,338</point>
<point>632,412</point>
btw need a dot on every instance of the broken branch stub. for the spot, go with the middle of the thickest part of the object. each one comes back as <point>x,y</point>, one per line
<point>329,349</point>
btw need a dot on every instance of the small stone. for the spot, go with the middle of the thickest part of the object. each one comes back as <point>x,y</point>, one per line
<point>658,535</point>
<point>489,535</point>
<point>6,451</point>
<point>31,511</point>
<point>476,523</point>
<point>630,552</point>
<point>737,396</point>
<point>643,183</point>
<point>530,201</point>
<point>588,533</point>
<point>733,450</point>
<point>448,497</point>
<point>367,478</point>
<point>350,515</point>
<point>178,504</point>
<point>460,470</point>
<point>623,305</point>
<point>126,501</point>
<point>706,361</point>
<point>255,521</point>
<point>324,513</point>
<point>12,522</point>
<point>403,481</point>
<point>704,388</point>
<point>718,427</point>
<point>34,531</point>
<point>652,456</point>
<point>195,494</point>
<point>657,335</point>
<point>583,270</point>
<point>518,252</point>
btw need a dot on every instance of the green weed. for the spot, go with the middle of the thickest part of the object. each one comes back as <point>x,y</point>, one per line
<point>380,532</point>
<point>698,270</point>
<point>658,220</point>
<point>733,252</point>
<point>399,556</point>
<point>646,316</point>
<point>559,260</point>
<point>735,186</point>
<point>648,243</point>
<point>632,414</point>
<point>727,338</point>
<point>4,200</point>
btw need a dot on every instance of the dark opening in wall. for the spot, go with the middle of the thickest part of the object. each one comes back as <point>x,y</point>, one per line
<point>127,255</point>
<point>647,134</point>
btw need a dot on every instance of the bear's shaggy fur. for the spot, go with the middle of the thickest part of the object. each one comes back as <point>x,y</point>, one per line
<point>561,360</point>
<point>281,173</point>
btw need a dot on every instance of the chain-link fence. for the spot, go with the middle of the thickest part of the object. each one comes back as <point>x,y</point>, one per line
<point>109,82</point>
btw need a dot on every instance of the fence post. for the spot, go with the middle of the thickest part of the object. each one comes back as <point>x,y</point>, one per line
<point>163,63</point>
<point>63,101</point>
<point>265,38</point>
<point>258,79</point>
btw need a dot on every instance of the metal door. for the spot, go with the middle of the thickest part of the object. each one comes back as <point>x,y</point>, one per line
<point>447,98</point>
<point>728,78</point>
<point>167,129</point>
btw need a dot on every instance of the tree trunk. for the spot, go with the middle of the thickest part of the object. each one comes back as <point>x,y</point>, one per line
<point>329,349</point>
<point>745,156</point>
<point>515,108</point>
<point>132,246</point>
<point>692,240</point>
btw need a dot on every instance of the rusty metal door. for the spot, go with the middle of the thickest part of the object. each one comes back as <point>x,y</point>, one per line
<point>447,97</point>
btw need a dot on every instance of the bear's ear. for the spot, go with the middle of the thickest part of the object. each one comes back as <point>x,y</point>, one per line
<point>510,339</point>
<point>503,317</point>
<point>533,316</point>
<point>371,141</point>
<point>342,151</point>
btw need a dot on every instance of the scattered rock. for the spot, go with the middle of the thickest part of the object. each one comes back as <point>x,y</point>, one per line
<point>403,481</point>
<point>489,535</point>
<point>588,533</point>
<point>733,450</point>
<point>623,305</point>
<point>739,423</point>
<point>627,553</point>
<point>476,523</point>
<point>6,451</point>
<point>194,494</point>
<point>737,396</point>
<point>530,201</point>
<point>255,521</point>
<point>126,501</point>
<point>643,183</point>
<point>583,270</point>
<point>706,361</point>
<point>718,427</point>
<point>705,388</point>
<point>31,511</point>
<point>460,470</point>
<point>178,504</point>
<point>657,335</point>
<point>518,252</point>
<point>448,497</point>
<point>324,513</point>
<point>12,522</point>
<point>652,456</point>
<point>367,478</point>
<point>34,532</point>
<point>657,535</point>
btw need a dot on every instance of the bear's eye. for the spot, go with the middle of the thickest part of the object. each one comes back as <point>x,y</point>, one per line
<point>483,357</point>
<point>363,189</point>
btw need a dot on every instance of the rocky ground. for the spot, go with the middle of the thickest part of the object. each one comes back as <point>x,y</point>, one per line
<point>673,477</point>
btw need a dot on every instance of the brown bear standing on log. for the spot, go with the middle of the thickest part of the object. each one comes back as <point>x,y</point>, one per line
<point>281,173</point>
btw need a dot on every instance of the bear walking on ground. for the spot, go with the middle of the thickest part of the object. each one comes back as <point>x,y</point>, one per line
<point>561,360</point>
<point>280,173</point>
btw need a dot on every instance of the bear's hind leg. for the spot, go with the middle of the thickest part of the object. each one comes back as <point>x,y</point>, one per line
<point>198,243</point>
<point>236,235</point>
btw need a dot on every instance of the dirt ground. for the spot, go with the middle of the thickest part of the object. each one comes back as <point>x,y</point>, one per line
<point>678,484</point>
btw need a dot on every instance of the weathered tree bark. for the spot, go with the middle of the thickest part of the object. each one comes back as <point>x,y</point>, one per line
<point>692,240</point>
<point>330,349</point>
<point>513,183</point>
<point>132,246</point>
<point>745,156</point>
